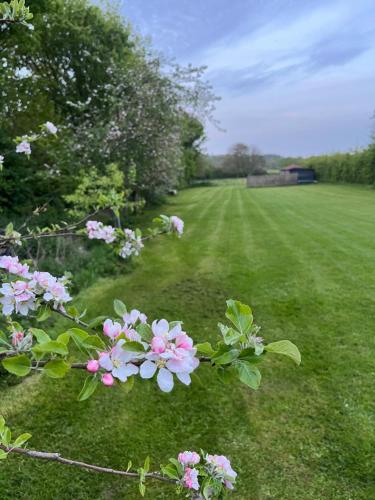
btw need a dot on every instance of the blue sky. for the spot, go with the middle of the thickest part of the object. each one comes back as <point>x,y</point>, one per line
<point>296,77</point>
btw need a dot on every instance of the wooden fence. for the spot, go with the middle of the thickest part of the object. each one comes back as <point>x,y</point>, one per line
<point>284,179</point>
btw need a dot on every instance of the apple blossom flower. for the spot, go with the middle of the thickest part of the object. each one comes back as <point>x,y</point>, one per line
<point>221,468</point>
<point>1,161</point>
<point>53,289</point>
<point>169,357</point>
<point>132,317</point>
<point>50,127</point>
<point>92,365</point>
<point>191,479</point>
<point>111,329</point>
<point>17,338</point>
<point>24,147</point>
<point>98,231</point>
<point>107,379</point>
<point>13,266</point>
<point>177,224</point>
<point>132,245</point>
<point>188,458</point>
<point>119,362</point>
<point>18,296</point>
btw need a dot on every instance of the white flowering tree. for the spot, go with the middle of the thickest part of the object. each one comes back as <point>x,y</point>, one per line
<point>116,351</point>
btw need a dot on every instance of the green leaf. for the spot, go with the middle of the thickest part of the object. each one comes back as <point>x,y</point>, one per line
<point>230,335</point>
<point>226,375</point>
<point>43,314</point>
<point>2,424</point>
<point>78,335</point>
<point>286,348</point>
<point>226,358</point>
<point>93,341</point>
<point>145,331</point>
<point>169,471</point>
<point>205,348</point>
<point>53,346</point>
<point>57,368</point>
<point>22,439</point>
<point>142,489</point>
<point>248,354</point>
<point>6,437</point>
<point>119,307</point>
<point>146,465</point>
<point>3,455</point>
<point>97,321</point>
<point>64,338</point>
<point>18,365</point>
<point>132,346</point>
<point>248,374</point>
<point>240,315</point>
<point>88,388</point>
<point>40,335</point>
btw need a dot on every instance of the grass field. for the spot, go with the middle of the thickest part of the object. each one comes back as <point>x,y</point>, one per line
<point>303,257</point>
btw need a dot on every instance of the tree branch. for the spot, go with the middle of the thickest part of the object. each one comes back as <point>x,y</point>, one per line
<point>56,457</point>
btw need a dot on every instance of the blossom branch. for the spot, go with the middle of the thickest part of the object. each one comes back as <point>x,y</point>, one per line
<point>56,457</point>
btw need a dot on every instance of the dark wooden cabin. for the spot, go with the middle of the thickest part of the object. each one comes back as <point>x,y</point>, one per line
<point>305,175</point>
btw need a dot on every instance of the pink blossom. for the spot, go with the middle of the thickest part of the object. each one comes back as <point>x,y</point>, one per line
<point>188,458</point>
<point>132,317</point>
<point>92,365</point>
<point>177,224</point>
<point>17,338</point>
<point>111,329</point>
<point>18,296</point>
<point>24,147</point>
<point>119,362</point>
<point>53,289</point>
<point>221,467</point>
<point>13,266</point>
<point>167,357</point>
<point>107,379</point>
<point>191,479</point>
<point>97,231</point>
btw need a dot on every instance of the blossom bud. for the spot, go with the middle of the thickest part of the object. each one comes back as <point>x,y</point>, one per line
<point>92,365</point>
<point>107,379</point>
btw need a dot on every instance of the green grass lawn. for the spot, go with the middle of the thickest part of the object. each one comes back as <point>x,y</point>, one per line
<point>303,258</point>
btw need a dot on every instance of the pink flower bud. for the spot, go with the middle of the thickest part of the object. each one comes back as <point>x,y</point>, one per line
<point>107,379</point>
<point>92,365</point>
<point>158,344</point>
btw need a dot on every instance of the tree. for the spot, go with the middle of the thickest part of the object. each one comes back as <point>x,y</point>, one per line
<point>242,161</point>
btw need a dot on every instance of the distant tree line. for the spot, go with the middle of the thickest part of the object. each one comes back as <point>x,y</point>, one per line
<point>240,161</point>
<point>356,167</point>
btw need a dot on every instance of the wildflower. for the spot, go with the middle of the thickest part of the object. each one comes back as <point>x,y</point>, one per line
<point>24,147</point>
<point>118,362</point>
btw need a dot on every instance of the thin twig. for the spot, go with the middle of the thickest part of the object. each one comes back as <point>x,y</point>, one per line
<point>56,457</point>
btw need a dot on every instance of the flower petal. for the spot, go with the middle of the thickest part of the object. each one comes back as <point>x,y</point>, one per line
<point>165,380</point>
<point>148,369</point>
<point>184,378</point>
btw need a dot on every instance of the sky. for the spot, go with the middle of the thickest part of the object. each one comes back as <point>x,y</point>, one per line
<point>295,77</point>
